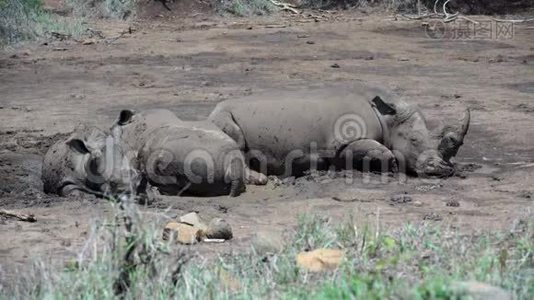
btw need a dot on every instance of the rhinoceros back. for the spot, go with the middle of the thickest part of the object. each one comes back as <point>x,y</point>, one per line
<point>284,122</point>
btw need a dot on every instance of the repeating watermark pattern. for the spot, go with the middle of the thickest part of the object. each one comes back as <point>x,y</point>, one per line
<point>116,167</point>
<point>481,30</point>
<point>349,127</point>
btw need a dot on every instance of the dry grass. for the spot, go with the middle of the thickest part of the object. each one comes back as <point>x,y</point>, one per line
<point>22,20</point>
<point>125,257</point>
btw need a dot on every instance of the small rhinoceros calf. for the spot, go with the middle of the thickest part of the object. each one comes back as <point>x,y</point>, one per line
<point>178,156</point>
<point>288,133</point>
<point>89,160</point>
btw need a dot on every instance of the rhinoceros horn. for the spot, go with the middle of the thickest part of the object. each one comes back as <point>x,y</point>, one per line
<point>452,137</point>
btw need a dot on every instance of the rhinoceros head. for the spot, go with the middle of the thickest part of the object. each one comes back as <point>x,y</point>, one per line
<point>420,150</point>
<point>91,161</point>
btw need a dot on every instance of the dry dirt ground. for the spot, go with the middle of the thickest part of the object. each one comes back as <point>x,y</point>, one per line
<point>188,65</point>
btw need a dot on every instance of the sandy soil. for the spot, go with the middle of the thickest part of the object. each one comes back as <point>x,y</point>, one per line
<point>188,65</point>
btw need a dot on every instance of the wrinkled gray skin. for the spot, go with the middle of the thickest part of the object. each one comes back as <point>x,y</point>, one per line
<point>286,134</point>
<point>178,156</point>
<point>88,161</point>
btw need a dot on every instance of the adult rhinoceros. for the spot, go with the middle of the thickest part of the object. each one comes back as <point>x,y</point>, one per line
<point>151,146</point>
<point>288,133</point>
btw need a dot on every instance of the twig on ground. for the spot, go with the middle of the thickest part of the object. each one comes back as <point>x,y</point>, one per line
<point>21,217</point>
<point>449,17</point>
<point>93,32</point>
<point>421,17</point>
<point>123,33</point>
<point>514,21</point>
<point>285,6</point>
<point>275,26</point>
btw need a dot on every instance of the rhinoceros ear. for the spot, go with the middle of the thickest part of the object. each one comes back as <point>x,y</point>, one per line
<point>125,116</point>
<point>78,146</point>
<point>383,107</point>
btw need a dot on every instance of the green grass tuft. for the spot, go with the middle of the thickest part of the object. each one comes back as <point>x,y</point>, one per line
<point>22,20</point>
<point>115,9</point>
<point>243,8</point>
<point>413,262</point>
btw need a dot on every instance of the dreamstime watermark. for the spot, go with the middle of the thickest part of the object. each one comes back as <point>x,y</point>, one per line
<point>349,127</point>
<point>479,30</point>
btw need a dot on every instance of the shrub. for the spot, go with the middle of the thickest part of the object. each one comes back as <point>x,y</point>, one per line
<point>25,20</point>
<point>394,5</point>
<point>244,8</point>
<point>116,9</point>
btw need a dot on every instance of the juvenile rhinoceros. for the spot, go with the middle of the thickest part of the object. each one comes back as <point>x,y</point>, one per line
<point>91,161</point>
<point>152,146</point>
<point>287,133</point>
<point>177,156</point>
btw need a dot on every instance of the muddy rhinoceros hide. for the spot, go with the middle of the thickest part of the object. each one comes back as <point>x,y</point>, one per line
<point>91,161</point>
<point>286,133</point>
<point>176,156</point>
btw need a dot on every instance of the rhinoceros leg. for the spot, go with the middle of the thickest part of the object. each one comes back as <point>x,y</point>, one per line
<point>367,154</point>
<point>225,121</point>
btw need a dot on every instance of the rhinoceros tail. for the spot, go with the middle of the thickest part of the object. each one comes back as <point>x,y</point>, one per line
<point>237,187</point>
<point>237,177</point>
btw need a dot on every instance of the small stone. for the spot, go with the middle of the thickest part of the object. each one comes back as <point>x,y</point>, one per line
<point>401,198</point>
<point>432,217</point>
<point>88,42</point>
<point>320,259</point>
<point>310,42</point>
<point>182,233</point>
<point>480,291</point>
<point>452,203</point>
<point>335,66</point>
<point>418,203</point>
<point>194,220</point>
<point>268,242</point>
<point>302,36</point>
<point>219,229</point>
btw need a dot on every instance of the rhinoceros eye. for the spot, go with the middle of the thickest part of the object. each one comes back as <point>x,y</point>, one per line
<point>415,140</point>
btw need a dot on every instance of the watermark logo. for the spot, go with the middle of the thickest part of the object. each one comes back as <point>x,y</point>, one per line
<point>478,30</point>
<point>349,127</point>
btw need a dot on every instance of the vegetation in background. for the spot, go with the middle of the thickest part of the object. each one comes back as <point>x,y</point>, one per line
<point>244,8</point>
<point>391,5</point>
<point>125,257</point>
<point>25,20</point>
<point>261,7</point>
<point>115,9</point>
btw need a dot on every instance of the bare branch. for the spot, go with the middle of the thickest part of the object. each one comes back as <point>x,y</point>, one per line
<point>285,6</point>
<point>21,217</point>
<point>514,21</point>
